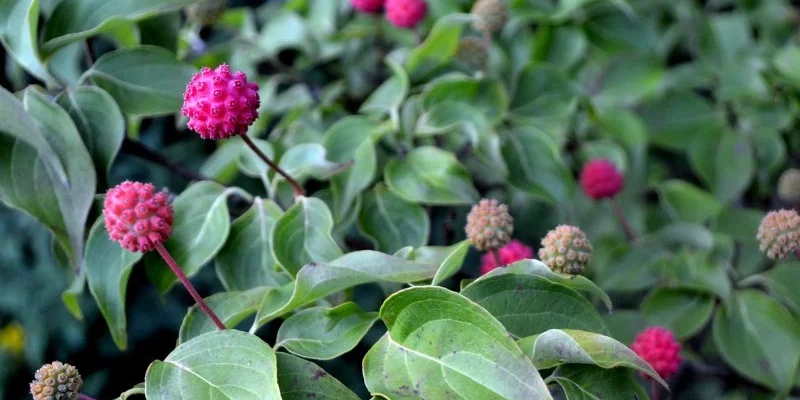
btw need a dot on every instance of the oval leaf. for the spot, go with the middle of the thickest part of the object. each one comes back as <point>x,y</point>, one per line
<point>108,267</point>
<point>231,308</point>
<point>432,176</point>
<point>392,222</point>
<point>321,333</point>
<point>145,81</point>
<point>303,235</point>
<point>684,312</point>
<point>303,380</point>
<point>556,347</point>
<point>222,365</point>
<point>441,345</point>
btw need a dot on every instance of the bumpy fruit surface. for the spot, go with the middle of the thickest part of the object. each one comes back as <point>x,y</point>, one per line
<point>219,103</point>
<point>508,254</point>
<point>489,225</point>
<point>136,216</point>
<point>493,15</point>
<point>472,53</point>
<point>206,12</point>
<point>789,185</point>
<point>368,6</point>
<point>566,250</point>
<point>601,179</point>
<point>779,233</point>
<point>406,13</point>
<point>659,348</point>
<point>56,381</point>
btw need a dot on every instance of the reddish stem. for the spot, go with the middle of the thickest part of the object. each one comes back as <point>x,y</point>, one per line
<point>298,190</point>
<point>623,221</point>
<point>655,390</point>
<point>186,283</point>
<point>797,253</point>
<point>82,396</point>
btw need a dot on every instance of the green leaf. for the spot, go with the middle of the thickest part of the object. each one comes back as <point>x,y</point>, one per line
<point>72,295</point>
<point>441,345</point>
<point>309,160</point>
<point>587,382</point>
<point>537,268</point>
<point>302,235</point>
<point>452,263</point>
<point>486,96</point>
<point>686,202</point>
<point>145,81</point>
<point>787,62</point>
<point>528,305</point>
<point>439,46</point>
<point>17,124</point>
<point>629,79</point>
<point>222,365</point>
<point>543,91</point>
<point>556,347</point>
<point>231,308</point>
<point>75,20</point>
<point>780,282</point>
<point>684,312</point>
<point>99,121</point>
<point>28,185</point>
<point>696,271</point>
<point>388,97</point>
<point>317,280</point>
<point>108,267</point>
<point>739,223</point>
<point>678,120</point>
<point>535,166</point>
<point>201,228</point>
<point>630,270</point>
<point>352,139</point>
<point>431,176</point>
<point>303,380</point>
<point>391,222</point>
<point>246,260</point>
<point>759,338</point>
<point>321,333</point>
<point>19,24</point>
<point>734,167</point>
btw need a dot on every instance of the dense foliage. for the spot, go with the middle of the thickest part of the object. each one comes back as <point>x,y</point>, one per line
<point>631,149</point>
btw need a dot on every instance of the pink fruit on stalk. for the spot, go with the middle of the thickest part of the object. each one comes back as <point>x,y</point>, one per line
<point>508,254</point>
<point>658,347</point>
<point>219,103</point>
<point>137,216</point>
<point>406,13</point>
<point>368,6</point>
<point>601,179</point>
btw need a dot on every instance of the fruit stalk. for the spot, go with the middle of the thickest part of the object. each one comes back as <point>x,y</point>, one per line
<point>186,283</point>
<point>298,190</point>
<point>623,221</point>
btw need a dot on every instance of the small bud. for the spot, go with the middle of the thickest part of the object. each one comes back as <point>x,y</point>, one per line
<point>789,186</point>
<point>779,234</point>
<point>493,15</point>
<point>566,250</point>
<point>472,53</point>
<point>56,381</point>
<point>489,225</point>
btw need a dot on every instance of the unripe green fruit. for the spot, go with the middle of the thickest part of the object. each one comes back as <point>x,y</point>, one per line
<point>493,15</point>
<point>789,185</point>
<point>472,53</point>
<point>56,381</point>
<point>566,250</point>
<point>779,233</point>
<point>489,225</point>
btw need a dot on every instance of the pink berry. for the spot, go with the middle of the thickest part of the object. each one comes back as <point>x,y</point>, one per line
<point>601,179</point>
<point>219,103</point>
<point>136,216</point>
<point>368,6</point>
<point>659,348</point>
<point>406,13</point>
<point>508,254</point>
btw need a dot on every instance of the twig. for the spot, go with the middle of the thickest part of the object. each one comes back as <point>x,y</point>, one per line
<point>298,190</point>
<point>655,390</point>
<point>82,396</point>
<point>188,285</point>
<point>623,221</point>
<point>137,149</point>
<point>87,53</point>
